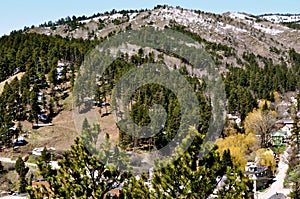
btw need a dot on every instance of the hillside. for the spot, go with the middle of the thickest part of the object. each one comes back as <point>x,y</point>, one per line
<point>266,51</point>
<point>54,84</point>
<point>18,76</point>
<point>233,40</point>
<point>239,31</point>
<point>281,18</point>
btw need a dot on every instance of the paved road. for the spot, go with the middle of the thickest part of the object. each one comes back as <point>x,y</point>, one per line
<point>14,197</point>
<point>277,186</point>
<point>54,164</point>
<point>8,160</point>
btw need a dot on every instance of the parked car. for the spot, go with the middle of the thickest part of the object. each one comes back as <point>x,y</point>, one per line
<point>43,117</point>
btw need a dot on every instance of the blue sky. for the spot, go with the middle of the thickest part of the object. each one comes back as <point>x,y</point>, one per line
<point>15,14</point>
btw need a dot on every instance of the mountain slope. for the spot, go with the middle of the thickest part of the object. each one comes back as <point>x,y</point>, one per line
<point>239,31</point>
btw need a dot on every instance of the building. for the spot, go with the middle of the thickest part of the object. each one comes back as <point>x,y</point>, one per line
<point>263,174</point>
<point>38,151</point>
<point>114,193</point>
<point>285,122</point>
<point>279,138</point>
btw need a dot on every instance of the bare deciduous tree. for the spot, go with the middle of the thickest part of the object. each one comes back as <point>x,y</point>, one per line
<point>261,123</point>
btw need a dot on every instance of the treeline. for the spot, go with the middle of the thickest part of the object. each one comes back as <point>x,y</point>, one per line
<point>212,48</point>
<point>245,86</point>
<point>20,52</point>
<point>76,21</point>
<point>293,25</point>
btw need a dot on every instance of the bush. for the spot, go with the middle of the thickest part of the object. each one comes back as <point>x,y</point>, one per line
<point>1,168</point>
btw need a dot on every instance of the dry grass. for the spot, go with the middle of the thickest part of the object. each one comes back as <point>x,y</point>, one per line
<point>9,181</point>
<point>108,125</point>
<point>19,76</point>
<point>60,136</point>
<point>63,132</point>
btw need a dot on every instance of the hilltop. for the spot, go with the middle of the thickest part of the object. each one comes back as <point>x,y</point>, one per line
<point>240,31</point>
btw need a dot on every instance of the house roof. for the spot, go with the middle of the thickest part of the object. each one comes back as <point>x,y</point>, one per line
<point>279,134</point>
<point>278,196</point>
<point>285,121</point>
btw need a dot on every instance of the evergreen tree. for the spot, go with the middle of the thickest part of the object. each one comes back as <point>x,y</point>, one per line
<point>22,170</point>
<point>1,168</point>
<point>265,106</point>
<point>236,185</point>
<point>134,189</point>
<point>44,167</point>
<point>80,175</point>
<point>296,131</point>
<point>294,172</point>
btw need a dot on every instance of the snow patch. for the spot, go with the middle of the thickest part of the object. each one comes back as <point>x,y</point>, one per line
<point>265,29</point>
<point>238,15</point>
<point>282,18</point>
<point>116,16</point>
<point>132,16</point>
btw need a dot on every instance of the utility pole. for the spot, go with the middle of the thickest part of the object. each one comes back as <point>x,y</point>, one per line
<point>254,178</point>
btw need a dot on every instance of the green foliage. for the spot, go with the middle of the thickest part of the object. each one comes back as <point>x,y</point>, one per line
<point>105,153</point>
<point>294,177</point>
<point>237,185</point>
<point>134,189</point>
<point>101,26</point>
<point>294,173</point>
<point>293,25</point>
<point>1,168</point>
<point>22,170</point>
<point>298,102</point>
<point>80,175</point>
<point>117,22</point>
<point>38,52</point>
<point>296,132</point>
<point>244,86</point>
<point>145,97</point>
<point>44,167</point>
<point>36,55</point>
<point>214,49</point>
<point>181,179</point>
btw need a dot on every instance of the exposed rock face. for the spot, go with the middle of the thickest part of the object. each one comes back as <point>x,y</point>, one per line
<point>242,32</point>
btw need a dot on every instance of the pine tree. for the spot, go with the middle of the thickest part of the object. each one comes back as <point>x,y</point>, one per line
<point>1,168</point>
<point>80,175</point>
<point>296,131</point>
<point>35,109</point>
<point>134,189</point>
<point>298,102</point>
<point>294,172</point>
<point>44,167</point>
<point>265,106</point>
<point>236,185</point>
<point>295,179</point>
<point>22,170</point>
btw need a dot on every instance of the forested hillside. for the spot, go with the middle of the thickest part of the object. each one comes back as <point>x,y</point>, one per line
<point>36,55</point>
<point>258,62</point>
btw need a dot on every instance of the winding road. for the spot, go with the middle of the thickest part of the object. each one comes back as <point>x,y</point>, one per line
<point>277,186</point>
